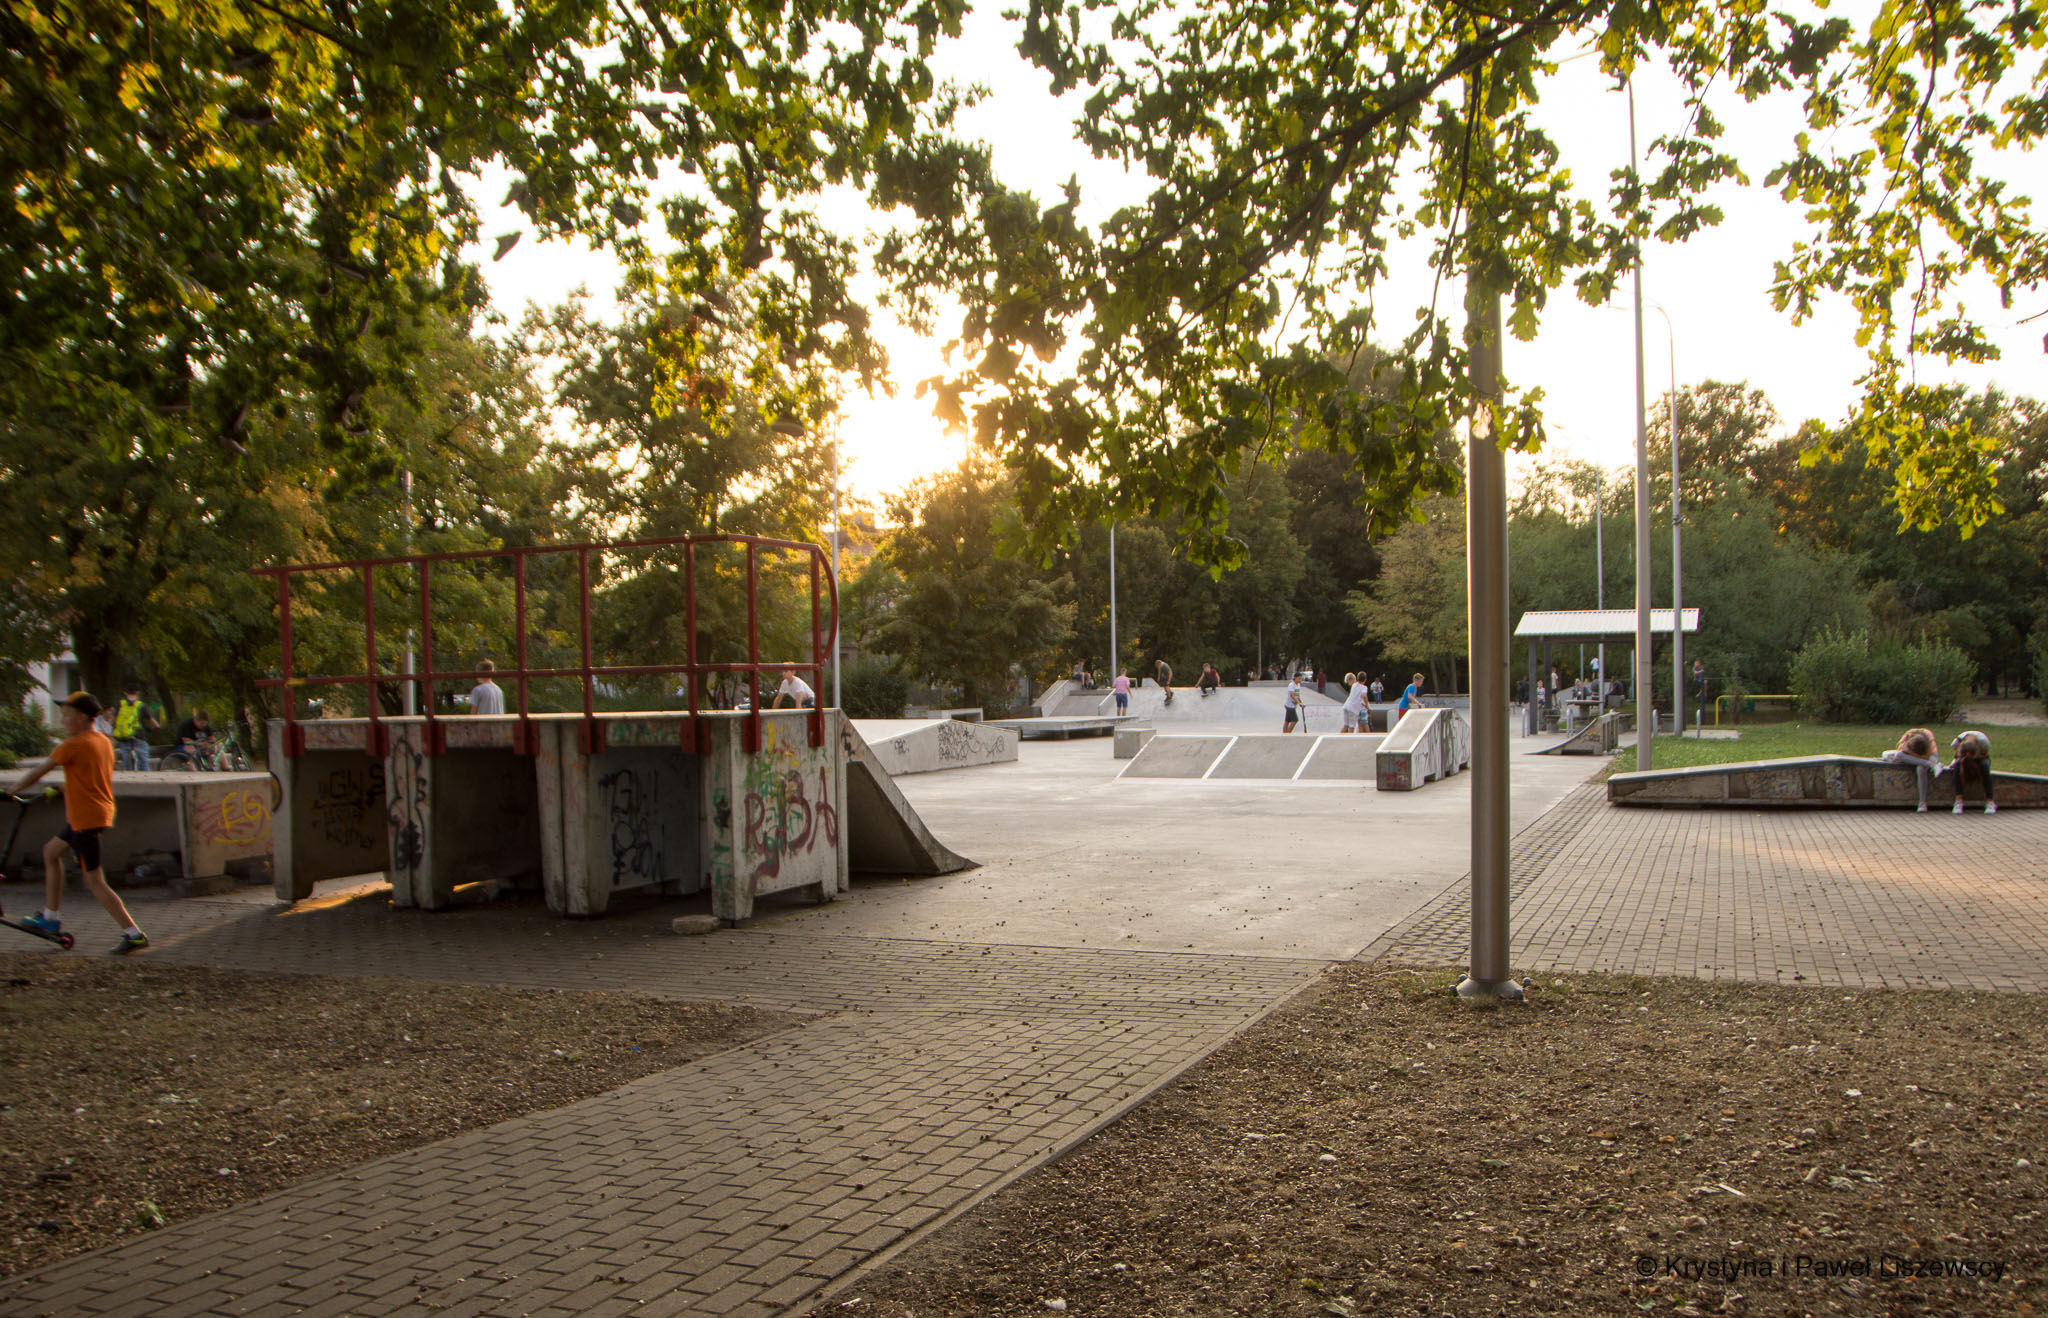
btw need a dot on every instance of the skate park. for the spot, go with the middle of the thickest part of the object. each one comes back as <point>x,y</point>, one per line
<point>965,1027</point>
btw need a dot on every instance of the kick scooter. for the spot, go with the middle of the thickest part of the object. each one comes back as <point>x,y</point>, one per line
<point>21,805</point>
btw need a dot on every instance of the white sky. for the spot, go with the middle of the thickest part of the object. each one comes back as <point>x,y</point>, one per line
<point>1714,289</point>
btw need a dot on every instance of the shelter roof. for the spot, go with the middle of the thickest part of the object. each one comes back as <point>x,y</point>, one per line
<point>1595,624</point>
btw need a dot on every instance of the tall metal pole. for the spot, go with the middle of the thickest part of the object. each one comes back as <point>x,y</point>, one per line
<point>1600,581</point>
<point>1486,581</point>
<point>1677,519</point>
<point>1645,674</point>
<point>1115,669</point>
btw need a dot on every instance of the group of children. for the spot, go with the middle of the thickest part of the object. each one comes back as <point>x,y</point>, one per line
<point>1969,772</point>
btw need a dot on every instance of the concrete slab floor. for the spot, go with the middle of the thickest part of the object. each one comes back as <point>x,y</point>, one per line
<point>1072,857</point>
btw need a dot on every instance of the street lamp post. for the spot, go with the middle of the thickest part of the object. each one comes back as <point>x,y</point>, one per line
<point>1646,707</point>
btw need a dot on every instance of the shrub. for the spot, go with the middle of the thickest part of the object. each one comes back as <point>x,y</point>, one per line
<point>1845,677</point>
<point>21,733</point>
<point>873,688</point>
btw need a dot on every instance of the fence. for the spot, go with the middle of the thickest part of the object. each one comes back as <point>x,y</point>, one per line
<point>520,676</point>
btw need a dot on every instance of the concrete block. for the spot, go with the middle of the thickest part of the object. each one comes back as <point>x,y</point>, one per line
<point>695,925</point>
<point>1129,741</point>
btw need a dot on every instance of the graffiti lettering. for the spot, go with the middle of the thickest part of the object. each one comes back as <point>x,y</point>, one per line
<point>960,743</point>
<point>781,820</point>
<point>241,817</point>
<point>406,809</point>
<point>631,804</point>
<point>344,803</point>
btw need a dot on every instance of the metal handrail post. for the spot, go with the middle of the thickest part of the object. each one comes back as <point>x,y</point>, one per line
<point>425,677</point>
<point>752,738</point>
<point>523,739</point>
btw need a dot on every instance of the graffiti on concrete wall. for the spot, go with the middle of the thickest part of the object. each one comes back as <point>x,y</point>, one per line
<point>345,804</point>
<point>406,805</point>
<point>783,820</point>
<point>970,743</point>
<point>632,800</point>
<point>239,818</point>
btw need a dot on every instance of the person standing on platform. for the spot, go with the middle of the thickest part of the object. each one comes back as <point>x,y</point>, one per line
<point>1122,686</point>
<point>486,697</point>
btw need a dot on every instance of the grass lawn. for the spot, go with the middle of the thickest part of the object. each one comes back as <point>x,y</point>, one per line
<point>2013,749</point>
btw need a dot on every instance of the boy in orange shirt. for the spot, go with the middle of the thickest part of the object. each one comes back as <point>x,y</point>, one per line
<point>87,758</point>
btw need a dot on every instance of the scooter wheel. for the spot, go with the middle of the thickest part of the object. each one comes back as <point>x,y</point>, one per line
<point>65,941</point>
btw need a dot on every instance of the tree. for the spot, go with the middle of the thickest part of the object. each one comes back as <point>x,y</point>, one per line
<point>1217,314</point>
<point>1720,425</point>
<point>235,192</point>
<point>972,609</point>
<point>1986,593</point>
<point>1415,610</point>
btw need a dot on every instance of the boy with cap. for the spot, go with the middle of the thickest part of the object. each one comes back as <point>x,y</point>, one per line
<point>87,758</point>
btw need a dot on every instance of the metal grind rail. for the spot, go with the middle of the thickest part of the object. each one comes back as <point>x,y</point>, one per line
<point>692,731</point>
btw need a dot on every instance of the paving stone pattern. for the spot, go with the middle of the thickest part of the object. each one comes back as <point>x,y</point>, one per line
<point>736,1185</point>
<point>1861,899</point>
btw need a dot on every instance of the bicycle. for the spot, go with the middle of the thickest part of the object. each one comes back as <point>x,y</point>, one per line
<point>221,754</point>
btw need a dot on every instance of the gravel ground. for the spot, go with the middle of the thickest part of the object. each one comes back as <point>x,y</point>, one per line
<point>133,1094</point>
<point>1614,1146</point>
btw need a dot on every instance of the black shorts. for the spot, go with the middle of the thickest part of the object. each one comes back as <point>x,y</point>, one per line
<point>85,843</point>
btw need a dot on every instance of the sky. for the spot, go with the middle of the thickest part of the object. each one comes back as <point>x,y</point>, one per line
<point>1709,313</point>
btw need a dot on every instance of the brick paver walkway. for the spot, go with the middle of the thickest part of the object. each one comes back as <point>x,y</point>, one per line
<point>1859,898</point>
<point>936,1071</point>
<point>736,1185</point>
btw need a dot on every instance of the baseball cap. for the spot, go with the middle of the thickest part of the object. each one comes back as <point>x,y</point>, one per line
<point>83,702</point>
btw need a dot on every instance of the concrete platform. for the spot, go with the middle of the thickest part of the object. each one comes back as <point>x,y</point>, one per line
<point>208,820</point>
<point>1271,755</point>
<point>1176,757</point>
<point>1092,725</point>
<point>901,746</point>
<point>1351,758</point>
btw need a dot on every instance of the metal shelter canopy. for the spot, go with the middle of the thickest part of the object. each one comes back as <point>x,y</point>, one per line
<point>1595,624</point>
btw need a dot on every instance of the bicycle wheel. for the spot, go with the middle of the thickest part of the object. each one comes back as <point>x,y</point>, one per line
<point>179,760</point>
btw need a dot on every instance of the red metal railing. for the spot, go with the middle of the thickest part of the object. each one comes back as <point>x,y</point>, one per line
<point>693,732</point>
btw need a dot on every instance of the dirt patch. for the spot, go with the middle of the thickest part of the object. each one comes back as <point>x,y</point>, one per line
<point>133,1094</point>
<point>1614,1146</point>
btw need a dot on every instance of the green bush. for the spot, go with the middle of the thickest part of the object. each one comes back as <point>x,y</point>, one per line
<point>21,733</point>
<point>1846,677</point>
<point>873,688</point>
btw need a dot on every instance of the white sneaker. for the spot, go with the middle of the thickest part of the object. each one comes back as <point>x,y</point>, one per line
<point>1921,811</point>
<point>1959,807</point>
<point>1991,807</point>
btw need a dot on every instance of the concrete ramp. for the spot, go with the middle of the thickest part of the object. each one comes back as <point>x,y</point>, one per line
<point>901,746</point>
<point>1271,755</point>
<point>1600,737</point>
<point>1427,744</point>
<point>1351,758</point>
<point>1176,757</point>
<point>1816,780</point>
<point>883,833</point>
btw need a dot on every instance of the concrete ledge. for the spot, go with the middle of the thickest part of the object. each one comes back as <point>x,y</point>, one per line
<point>1425,745</point>
<point>1129,741</point>
<point>1818,780</point>
<point>1098,725</point>
<point>904,746</point>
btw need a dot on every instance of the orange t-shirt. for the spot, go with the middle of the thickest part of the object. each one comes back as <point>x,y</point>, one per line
<point>88,763</point>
